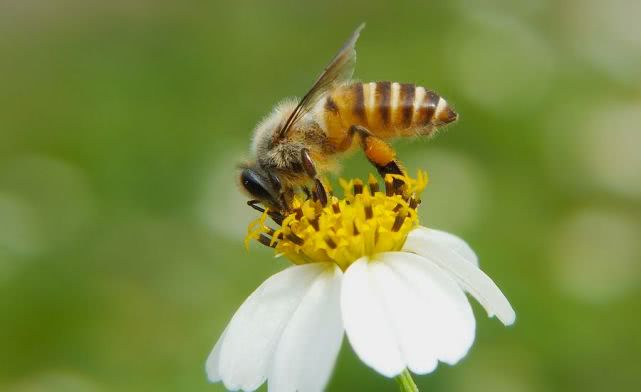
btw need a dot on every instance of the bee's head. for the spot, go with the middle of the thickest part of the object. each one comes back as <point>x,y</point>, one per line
<point>260,185</point>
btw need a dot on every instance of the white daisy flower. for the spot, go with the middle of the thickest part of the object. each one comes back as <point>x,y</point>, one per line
<point>364,266</point>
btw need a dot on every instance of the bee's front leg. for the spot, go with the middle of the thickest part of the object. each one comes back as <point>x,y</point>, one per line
<point>310,170</point>
<point>285,194</point>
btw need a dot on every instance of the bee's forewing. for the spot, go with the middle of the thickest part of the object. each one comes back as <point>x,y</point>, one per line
<point>339,70</point>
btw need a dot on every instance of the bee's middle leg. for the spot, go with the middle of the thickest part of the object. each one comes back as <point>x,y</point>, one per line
<point>378,152</point>
<point>310,170</point>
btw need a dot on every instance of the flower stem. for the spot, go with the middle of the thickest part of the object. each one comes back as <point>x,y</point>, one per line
<point>405,382</point>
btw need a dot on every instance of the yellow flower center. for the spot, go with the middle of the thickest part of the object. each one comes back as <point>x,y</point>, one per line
<point>364,222</point>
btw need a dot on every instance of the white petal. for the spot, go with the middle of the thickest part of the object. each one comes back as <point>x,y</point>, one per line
<point>213,361</point>
<point>423,242</point>
<point>244,354</point>
<point>414,334</point>
<point>366,322</point>
<point>400,311</point>
<point>308,348</point>
<point>457,244</point>
<point>441,307</point>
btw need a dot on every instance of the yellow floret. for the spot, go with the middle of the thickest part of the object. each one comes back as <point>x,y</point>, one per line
<point>364,222</point>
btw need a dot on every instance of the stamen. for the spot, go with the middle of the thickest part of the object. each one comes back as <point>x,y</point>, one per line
<point>369,213</point>
<point>398,222</point>
<point>330,242</point>
<point>295,239</point>
<point>263,239</point>
<point>314,223</point>
<point>364,221</point>
<point>358,187</point>
<point>373,184</point>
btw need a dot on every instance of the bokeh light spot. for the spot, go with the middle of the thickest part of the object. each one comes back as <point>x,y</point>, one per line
<point>456,195</point>
<point>595,255</point>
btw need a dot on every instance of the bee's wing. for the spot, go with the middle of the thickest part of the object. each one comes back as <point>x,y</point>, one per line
<point>339,70</point>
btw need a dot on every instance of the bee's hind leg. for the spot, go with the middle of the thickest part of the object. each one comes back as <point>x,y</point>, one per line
<point>310,170</point>
<point>378,152</point>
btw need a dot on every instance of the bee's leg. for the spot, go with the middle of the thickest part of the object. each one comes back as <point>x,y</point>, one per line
<point>275,215</point>
<point>253,204</point>
<point>284,194</point>
<point>310,170</point>
<point>286,197</point>
<point>306,191</point>
<point>378,152</point>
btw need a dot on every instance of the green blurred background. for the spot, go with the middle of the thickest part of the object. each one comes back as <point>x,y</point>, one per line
<point>121,225</point>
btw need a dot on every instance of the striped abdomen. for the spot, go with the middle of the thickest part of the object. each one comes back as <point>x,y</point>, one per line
<point>387,109</point>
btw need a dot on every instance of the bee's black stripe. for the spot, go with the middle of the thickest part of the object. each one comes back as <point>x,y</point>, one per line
<point>383,94</point>
<point>427,108</point>
<point>408,94</point>
<point>432,102</point>
<point>359,102</point>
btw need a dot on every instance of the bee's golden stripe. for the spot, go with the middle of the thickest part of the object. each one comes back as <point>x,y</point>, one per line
<point>395,105</point>
<point>370,102</point>
<point>386,109</point>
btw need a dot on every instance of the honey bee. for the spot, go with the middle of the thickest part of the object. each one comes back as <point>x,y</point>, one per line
<point>302,139</point>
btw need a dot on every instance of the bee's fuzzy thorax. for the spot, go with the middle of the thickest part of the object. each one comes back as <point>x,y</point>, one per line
<point>270,124</point>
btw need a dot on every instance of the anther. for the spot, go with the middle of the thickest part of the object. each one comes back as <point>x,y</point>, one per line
<point>373,184</point>
<point>414,203</point>
<point>336,208</point>
<point>368,211</point>
<point>299,213</point>
<point>398,222</point>
<point>397,208</point>
<point>358,187</point>
<point>355,229</point>
<point>314,223</point>
<point>330,242</point>
<point>263,239</point>
<point>295,239</point>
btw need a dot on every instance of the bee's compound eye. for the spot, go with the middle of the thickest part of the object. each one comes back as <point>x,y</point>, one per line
<point>255,184</point>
